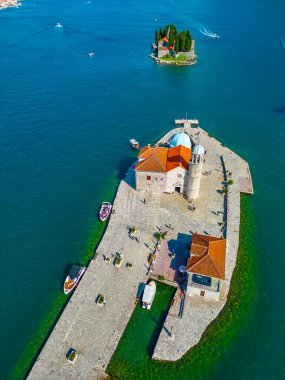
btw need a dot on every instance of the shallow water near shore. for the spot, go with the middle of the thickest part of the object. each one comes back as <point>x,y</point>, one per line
<point>66,120</point>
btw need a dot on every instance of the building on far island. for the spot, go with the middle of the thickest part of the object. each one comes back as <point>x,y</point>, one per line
<point>206,266</point>
<point>163,49</point>
<point>174,167</point>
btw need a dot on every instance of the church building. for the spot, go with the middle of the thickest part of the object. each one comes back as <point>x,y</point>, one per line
<point>173,167</point>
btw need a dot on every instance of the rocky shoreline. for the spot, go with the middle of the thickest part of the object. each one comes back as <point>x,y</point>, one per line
<point>173,63</point>
<point>9,4</point>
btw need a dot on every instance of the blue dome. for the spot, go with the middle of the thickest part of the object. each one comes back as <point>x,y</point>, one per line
<point>180,138</point>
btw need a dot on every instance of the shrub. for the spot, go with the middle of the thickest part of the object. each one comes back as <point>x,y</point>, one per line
<point>161,278</point>
<point>158,235</point>
<point>230,182</point>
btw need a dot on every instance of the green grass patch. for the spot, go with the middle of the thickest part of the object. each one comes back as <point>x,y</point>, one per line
<point>132,358</point>
<point>180,58</point>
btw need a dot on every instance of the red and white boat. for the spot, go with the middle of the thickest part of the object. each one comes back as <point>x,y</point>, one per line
<point>73,278</point>
<point>105,210</point>
<point>134,144</point>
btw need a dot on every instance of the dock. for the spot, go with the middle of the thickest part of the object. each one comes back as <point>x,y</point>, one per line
<point>94,331</point>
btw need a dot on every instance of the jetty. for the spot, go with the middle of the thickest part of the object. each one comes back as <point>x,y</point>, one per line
<point>94,331</point>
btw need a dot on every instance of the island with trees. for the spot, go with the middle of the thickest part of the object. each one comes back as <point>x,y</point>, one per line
<point>172,47</point>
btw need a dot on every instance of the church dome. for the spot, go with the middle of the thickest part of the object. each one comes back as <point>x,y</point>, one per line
<point>198,149</point>
<point>180,138</point>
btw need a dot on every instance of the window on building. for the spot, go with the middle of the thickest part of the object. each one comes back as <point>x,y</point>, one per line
<point>148,177</point>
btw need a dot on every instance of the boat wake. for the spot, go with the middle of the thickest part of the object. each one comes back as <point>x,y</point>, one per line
<point>207,32</point>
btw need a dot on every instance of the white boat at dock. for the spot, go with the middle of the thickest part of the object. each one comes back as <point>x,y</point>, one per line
<point>134,144</point>
<point>148,295</point>
<point>73,278</point>
<point>105,210</point>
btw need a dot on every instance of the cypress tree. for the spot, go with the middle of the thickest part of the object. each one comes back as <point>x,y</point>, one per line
<point>171,38</point>
<point>182,41</point>
<point>188,35</point>
<point>177,43</point>
<point>157,36</point>
<point>187,44</point>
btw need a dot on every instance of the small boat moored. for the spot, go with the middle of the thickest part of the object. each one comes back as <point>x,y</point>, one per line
<point>105,210</point>
<point>73,278</point>
<point>148,295</point>
<point>134,144</point>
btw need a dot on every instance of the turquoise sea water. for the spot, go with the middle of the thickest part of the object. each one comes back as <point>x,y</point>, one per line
<point>65,124</point>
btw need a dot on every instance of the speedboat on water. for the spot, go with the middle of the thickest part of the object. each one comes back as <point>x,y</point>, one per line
<point>58,25</point>
<point>148,295</point>
<point>91,54</point>
<point>105,211</point>
<point>73,278</point>
<point>134,144</point>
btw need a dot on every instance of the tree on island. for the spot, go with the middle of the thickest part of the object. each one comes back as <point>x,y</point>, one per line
<point>179,41</point>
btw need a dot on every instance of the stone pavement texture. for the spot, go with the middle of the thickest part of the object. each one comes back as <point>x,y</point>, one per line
<point>94,331</point>
<point>198,312</point>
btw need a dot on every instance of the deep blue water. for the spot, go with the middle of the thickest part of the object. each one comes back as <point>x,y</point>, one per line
<point>65,124</point>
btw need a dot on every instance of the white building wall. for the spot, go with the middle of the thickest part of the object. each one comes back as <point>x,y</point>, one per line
<point>176,178</point>
<point>208,295</point>
<point>156,182</point>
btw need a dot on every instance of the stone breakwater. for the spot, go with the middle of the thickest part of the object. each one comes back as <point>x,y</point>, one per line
<point>94,331</point>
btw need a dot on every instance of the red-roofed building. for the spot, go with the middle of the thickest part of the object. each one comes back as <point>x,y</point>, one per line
<point>163,48</point>
<point>206,266</point>
<point>164,169</point>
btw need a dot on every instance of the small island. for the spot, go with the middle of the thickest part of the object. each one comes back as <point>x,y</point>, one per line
<point>173,48</point>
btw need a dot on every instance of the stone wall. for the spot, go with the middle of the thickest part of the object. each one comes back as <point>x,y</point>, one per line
<point>156,182</point>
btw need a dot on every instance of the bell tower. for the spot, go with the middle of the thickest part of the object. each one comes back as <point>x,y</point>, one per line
<point>195,172</point>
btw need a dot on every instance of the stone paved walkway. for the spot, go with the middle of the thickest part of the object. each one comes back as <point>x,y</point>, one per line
<point>198,312</point>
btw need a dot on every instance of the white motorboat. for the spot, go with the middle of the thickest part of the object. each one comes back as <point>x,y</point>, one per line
<point>105,211</point>
<point>58,25</point>
<point>73,278</point>
<point>134,144</point>
<point>148,295</point>
<point>91,54</point>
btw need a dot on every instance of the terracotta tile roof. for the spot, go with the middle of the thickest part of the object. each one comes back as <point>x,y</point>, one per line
<point>162,159</point>
<point>178,156</point>
<point>153,159</point>
<point>164,39</point>
<point>207,256</point>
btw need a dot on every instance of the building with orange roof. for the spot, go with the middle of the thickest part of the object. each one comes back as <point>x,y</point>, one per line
<point>170,168</point>
<point>206,266</point>
<point>163,48</point>
<point>164,169</point>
